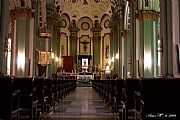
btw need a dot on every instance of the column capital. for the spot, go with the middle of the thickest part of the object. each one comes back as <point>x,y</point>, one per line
<point>125,33</point>
<point>21,13</point>
<point>148,15</point>
<point>131,2</point>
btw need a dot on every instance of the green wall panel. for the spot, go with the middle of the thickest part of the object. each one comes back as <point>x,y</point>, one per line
<point>73,48</point>
<point>149,47</point>
<point>96,51</point>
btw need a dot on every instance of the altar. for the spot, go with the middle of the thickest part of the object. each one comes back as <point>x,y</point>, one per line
<point>85,76</point>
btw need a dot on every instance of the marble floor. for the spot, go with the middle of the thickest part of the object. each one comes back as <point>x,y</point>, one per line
<point>83,104</point>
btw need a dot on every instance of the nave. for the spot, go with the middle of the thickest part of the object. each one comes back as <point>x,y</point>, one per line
<point>52,99</point>
<point>83,104</point>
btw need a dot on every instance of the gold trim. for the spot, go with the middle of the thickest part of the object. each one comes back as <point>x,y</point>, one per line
<point>21,13</point>
<point>148,15</point>
<point>44,33</point>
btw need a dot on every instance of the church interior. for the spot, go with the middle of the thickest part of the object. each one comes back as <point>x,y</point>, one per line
<point>119,55</point>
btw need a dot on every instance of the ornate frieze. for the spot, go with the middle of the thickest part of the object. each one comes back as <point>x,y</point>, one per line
<point>148,15</point>
<point>44,33</point>
<point>21,13</point>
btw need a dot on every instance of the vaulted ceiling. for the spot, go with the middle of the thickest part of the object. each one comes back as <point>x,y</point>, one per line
<point>94,9</point>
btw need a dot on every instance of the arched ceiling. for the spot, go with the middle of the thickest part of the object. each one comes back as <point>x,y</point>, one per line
<point>93,9</point>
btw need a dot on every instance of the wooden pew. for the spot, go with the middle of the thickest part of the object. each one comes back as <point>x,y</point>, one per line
<point>9,99</point>
<point>134,103</point>
<point>38,84</point>
<point>160,96</point>
<point>25,86</point>
<point>49,93</point>
<point>120,98</point>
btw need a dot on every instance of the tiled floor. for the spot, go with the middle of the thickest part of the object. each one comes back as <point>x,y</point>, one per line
<point>83,104</point>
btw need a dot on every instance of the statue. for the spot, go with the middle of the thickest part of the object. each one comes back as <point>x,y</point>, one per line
<point>84,66</point>
<point>107,69</point>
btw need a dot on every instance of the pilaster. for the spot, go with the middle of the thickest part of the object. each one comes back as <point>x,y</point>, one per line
<point>133,8</point>
<point>4,22</point>
<point>73,40</point>
<point>127,58</point>
<point>96,42</point>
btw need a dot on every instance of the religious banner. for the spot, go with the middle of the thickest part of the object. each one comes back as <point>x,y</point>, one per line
<point>44,58</point>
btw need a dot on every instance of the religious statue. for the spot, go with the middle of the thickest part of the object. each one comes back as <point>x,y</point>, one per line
<point>84,66</point>
<point>75,68</point>
<point>95,68</point>
<point>90,67</point>
<point>107,69</point>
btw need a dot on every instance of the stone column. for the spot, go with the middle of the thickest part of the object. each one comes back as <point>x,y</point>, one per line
<point>4,22</point>
<point>21,18</point>
<point>133,8</point>
<point>114,42</point>
<point>73,40</point>
<point>175,36</point>
<point>148,42</point>
<point>96,42</point>
<point>127,60</point>
<point>166,38</point>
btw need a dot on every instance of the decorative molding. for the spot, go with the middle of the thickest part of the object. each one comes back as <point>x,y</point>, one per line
<point>125,33</point>
<point>148,15</point>
<point>85,26</point>
<point>106,23</point>
<point>63,23</point>
<point>21,13</point>
<point>44,33</point>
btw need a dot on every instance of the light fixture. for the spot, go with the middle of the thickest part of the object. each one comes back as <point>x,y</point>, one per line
<point>52,55</point>
<point>147,60</point>
<point>117,56</point>
<point>57,59</point>
<point>112,60</point>
<point>109,62</point>
<point>21,60</point>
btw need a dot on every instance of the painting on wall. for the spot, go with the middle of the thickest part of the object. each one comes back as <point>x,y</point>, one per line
<point>44,58</point>
<point>64,44</point>
<point>106,48</point>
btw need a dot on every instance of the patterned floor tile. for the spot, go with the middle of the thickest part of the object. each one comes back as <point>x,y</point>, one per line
<point>83,104</point>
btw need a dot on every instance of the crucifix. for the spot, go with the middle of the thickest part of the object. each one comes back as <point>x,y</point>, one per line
<point>85,47</point>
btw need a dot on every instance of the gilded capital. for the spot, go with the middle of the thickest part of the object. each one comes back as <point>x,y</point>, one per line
<point>148,15</point>
<point>21,13</point>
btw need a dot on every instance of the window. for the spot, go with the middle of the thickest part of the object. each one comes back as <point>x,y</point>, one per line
<point>146,3</point>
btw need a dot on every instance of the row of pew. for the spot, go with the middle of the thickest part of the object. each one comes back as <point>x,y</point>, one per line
<point>141,99</point>
<point>31,98</point>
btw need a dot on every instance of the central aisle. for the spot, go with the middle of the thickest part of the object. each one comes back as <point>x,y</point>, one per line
<point>83,104</point>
